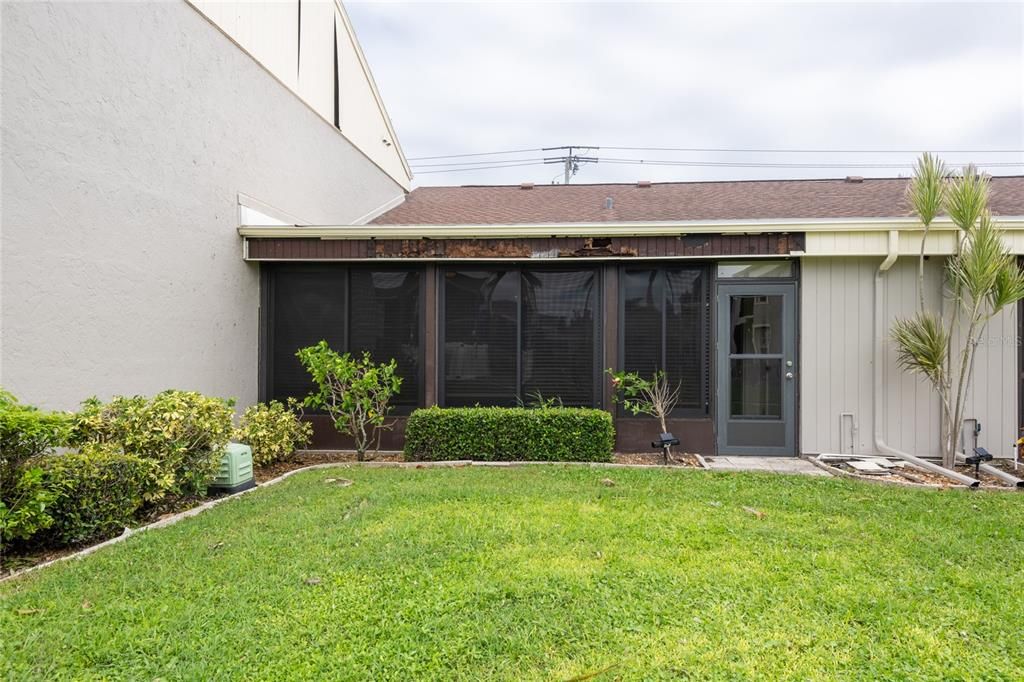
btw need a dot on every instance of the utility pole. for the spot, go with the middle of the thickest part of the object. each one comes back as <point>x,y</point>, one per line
<point>571,159</point>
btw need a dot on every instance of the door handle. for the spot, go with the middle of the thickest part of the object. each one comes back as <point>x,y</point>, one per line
<point>789,375</point>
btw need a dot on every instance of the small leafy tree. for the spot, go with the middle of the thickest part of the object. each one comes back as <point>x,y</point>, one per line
<point>355,392</point>
<point>652,396</point>
<point>982,279</point>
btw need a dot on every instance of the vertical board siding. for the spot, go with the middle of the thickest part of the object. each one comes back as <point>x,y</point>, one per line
<point>837,357</point>
<point>993,394</point>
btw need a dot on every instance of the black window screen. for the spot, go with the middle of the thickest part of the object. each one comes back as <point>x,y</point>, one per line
<point>384,319</point>
<point>664,327</point>
<point>480,332</point>
<point>308,305</point>
<point>643,302</point>
<point>353,309</point>
<point>558,335</point>
<point>512,332</point>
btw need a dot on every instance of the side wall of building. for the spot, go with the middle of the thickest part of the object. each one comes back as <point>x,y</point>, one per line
<point>837,364</point>
<point>128,132</point>
<point>316,59</point>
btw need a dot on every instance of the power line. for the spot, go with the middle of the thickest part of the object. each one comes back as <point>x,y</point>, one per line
<point>490,165</point>
<point>473,163</point>
<point>459,170</point>
<point>729,150</point>
<point>462,156</point>
<point>779,164</point>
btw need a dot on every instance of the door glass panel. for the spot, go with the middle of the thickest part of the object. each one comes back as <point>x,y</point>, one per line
<point>756,388</point>
<point>756,323</point>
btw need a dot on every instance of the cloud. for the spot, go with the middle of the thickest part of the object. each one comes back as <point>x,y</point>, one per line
<point>478,77</point>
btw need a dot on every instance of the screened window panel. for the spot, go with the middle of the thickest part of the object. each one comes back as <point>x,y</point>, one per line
<point>559,335</point>
<point>480,337</point>
<point>684,351</point>
<point>384,319</point>
<point>664,320</point>
<point>642,321</point>
<point>309,306</point>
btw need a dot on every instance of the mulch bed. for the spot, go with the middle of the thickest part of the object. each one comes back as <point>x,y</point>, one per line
<point>305,458</point>
<point>911,475</point>
<point>681,459</point>
<point>18,556</point>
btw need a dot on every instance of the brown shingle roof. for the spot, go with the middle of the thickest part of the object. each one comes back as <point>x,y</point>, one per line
<point>674,201</point>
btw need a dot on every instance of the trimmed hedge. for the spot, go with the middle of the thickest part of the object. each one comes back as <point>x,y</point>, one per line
<point>556,434</point>
<point>97,493</point>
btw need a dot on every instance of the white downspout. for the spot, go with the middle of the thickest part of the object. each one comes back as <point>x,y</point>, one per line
<point>880,445</point>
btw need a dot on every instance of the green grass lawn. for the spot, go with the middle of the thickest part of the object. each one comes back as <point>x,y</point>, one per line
<point>542,573</point>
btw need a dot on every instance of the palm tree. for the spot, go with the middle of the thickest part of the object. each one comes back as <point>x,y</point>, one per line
<point>982,279</point>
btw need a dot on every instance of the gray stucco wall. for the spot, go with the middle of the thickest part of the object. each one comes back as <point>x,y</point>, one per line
<point>128,131</point>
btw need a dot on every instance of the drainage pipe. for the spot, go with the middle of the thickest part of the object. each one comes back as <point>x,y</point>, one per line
<point>880,444</point>
<point>1003,476</point>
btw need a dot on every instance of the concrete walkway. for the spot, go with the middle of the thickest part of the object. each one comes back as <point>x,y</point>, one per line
<point>778,465</point>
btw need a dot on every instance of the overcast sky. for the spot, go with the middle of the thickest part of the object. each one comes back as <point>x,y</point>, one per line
<point>461,78</point>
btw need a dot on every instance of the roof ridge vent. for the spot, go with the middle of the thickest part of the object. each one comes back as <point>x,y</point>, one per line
<point>609,202</point>
<point>643,183</point>
<point>526,185</point>
<point>853,179</point>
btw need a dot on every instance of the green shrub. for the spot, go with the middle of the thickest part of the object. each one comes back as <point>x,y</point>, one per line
<point>182,432</point>
<point>98,492</point>
<point>273,430</point>
<point>26,433</point>
<point>563,434</point>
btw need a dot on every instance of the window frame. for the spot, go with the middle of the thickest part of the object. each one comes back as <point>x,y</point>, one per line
<point>518,268</point>
<point>268,279</point>
<point>706,284</point>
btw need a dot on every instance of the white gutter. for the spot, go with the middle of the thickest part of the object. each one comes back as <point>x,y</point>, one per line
<point>880,331</point>
<point>674,228</point>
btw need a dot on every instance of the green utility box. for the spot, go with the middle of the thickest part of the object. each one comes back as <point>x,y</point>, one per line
<point>235,473</point>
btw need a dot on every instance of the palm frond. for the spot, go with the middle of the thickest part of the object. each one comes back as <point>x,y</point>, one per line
<point>927,190</point>
<point>1008,287</point>
<point>975,271</point>
<point>922,345</point>
<point>967,198</point>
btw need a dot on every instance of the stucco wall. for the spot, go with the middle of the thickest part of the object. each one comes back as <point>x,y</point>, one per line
<point>128,131</point>
<point>837,363</point>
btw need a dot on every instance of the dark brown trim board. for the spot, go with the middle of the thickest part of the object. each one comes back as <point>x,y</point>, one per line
<point>683,246</point>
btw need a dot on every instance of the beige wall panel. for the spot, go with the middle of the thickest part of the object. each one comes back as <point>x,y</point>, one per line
<point>837,358</point>
<point>993,393</point>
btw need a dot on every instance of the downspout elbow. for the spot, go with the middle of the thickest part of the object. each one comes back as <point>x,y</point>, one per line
<point>892,253</point>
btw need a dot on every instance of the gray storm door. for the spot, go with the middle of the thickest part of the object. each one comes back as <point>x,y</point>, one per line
<point>756,369</point>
